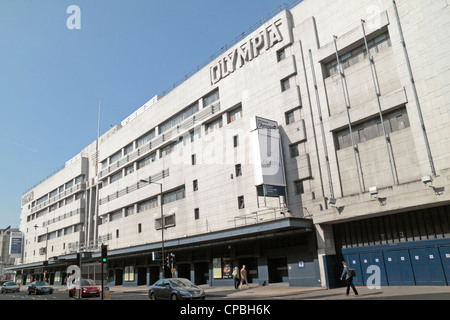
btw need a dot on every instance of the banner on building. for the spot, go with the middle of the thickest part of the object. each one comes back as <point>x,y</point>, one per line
<point>267,153</point>
<point>16,245</point>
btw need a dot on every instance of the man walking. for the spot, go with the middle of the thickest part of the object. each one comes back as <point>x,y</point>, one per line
<point>243,276</point>
<point>349,278</point>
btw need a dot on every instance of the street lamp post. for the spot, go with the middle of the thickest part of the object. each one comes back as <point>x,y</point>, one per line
<point>46,243</point>
<point>162,224</point>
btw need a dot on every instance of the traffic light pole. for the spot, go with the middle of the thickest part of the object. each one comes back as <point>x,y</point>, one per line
<point>104,257</point>
<point>80,258</point>
<point>102,279</point>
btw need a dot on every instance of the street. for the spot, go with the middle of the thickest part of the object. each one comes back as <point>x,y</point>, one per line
<point>63,294</point>
<point>274,293</point>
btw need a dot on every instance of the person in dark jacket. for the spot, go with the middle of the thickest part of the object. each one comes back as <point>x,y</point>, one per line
<point>348,279</point>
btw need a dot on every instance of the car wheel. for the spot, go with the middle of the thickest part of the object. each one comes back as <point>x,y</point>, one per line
<point>152,296</point>
<point>174,297</point>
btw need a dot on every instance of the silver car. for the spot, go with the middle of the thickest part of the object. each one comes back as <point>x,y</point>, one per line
<point>174,289</point>
<point>38,287</point>
<point>10,286</point>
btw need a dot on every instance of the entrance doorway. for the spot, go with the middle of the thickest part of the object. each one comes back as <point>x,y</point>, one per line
<point>184,271</point>
<point>278,270</point>
<point>141,276</point>
<point>118,277</point>
<point>201,273</point>
<point>154,274</point>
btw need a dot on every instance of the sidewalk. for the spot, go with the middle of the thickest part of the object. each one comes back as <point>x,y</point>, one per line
<point>299,293</point>
<point>284,292</point>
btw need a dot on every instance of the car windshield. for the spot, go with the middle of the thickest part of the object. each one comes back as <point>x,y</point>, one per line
<point>10,284</point>
<point>87,282</point>
<point>181,283</point>
<point>41,283</point>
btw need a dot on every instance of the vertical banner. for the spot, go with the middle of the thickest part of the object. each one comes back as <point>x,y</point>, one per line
<point>267,153</point>
<point>16,245</point>
<point>217,268</point>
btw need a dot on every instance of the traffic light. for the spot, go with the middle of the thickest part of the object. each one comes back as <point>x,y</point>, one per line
<point>170,260</point>
<point>104,252</point>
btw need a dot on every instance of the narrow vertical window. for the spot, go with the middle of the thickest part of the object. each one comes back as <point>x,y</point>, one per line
<point>196,213</point>
<point>241,204</point>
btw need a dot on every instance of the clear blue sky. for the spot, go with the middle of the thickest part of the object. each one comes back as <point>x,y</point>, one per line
<point>126,52</point>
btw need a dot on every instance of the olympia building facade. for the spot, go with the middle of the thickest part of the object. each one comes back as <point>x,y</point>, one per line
<point>301,145</point>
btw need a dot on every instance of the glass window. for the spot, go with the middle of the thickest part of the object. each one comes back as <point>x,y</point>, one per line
<point>129,211</point>
<point>174,195</point>
<point>53,193</point>
<point>241,204</point>
<point>115,157</point>
<point>195,185</point>
<point>147,160</point>
<point>238,169</point>
<point>281,55</point>
<point>169,221</point>
<point>285,85</point>
<point>293,150</point>
<point>115,177</point>
<point>214,125</point>
<point>210,98</point>
<point>348,59</point>
<point>129,273</point>
<point>234,115</point>
<point>235,141</point>
<point>69,184</point>
<point>128,149</point>
<point>169,149</point>
<point>145,138</point>
<point>147,205</point>
<point>178,118</point>
<point>290,117</point>
<point>372,128</point>
<point>196,213</point>
<point>115,215</point>
<point>129,169</point>
<point>299,187</point>
<point>79,179</point>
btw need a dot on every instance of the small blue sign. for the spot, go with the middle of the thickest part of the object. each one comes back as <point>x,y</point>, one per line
<point>274,191</point>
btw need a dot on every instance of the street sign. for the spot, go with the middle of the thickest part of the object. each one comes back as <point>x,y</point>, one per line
<point>156,255</point>
<point>107,293</point>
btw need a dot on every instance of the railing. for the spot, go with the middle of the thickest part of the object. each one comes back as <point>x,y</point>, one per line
<point>264,215</point>
<point>156,142</point>
<point>90,246</point>
<point>231,44</point>
<point>78,187</point>
<point>133,187</point>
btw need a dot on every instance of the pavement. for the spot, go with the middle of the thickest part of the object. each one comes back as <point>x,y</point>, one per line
<point>284,292</point>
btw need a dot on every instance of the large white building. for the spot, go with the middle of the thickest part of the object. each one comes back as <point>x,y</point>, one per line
<point>322,135</point>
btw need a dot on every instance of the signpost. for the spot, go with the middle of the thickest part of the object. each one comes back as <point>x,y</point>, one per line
<point>104,259</point>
